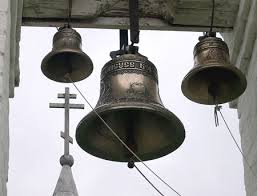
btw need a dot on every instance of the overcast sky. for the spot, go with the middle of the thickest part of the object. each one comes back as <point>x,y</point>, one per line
<point>207,163</point>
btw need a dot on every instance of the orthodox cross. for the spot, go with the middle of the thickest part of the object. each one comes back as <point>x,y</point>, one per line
<point>66,105</point>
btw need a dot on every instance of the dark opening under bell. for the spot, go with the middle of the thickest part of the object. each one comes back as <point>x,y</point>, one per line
<point>213,80</point>
<point>67,58</point>
<point>131,105</point>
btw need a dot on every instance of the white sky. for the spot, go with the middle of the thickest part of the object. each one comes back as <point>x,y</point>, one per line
<point>207,163</point>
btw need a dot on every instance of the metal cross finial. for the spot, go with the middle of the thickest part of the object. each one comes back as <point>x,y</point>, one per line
<point>66,105</point>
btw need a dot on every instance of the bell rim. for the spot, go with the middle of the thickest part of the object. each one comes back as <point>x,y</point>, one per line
<point>80,53</point>
<point>227,67</point>
<point>123,106</point>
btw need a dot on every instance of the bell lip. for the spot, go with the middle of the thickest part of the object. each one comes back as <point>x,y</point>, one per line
<point>80,53</point>
<point>199,68</point>
<point>122,106</point>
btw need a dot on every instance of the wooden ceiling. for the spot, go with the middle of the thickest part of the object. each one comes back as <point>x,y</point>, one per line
<point>180,15</point>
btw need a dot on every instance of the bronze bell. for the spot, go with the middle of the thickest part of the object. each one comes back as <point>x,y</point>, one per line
<point>130,104</point>
<point>66,58</point>
<point>213,80</point>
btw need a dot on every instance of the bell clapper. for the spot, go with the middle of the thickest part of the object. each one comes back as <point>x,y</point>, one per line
<point>216,117</point>
<point>131,164</point>
<point>212,91</point>
<point>217,108</point>
<point>69,64</point>
<point>130,134</point>
<point>67,77</point>
<point>130,138</point>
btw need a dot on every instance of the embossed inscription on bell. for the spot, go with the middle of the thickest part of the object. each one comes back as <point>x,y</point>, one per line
<point>66,58</point>
<point>130,103</point>
<point>213,80</point>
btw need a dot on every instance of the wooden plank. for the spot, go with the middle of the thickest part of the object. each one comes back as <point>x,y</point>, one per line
<point>179,13</point>
<point>224,5</point>
<point>121,23</point>
<point>82,9</point>
<point>198,12</point>
<point>45,8</point>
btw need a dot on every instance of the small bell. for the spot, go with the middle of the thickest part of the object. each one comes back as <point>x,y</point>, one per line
<point>130,104</point>
<point>213,80</point>
<point>66,58</point>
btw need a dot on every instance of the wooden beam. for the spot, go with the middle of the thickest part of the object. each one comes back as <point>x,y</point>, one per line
<point>186,15</point>
<point>121,23</point>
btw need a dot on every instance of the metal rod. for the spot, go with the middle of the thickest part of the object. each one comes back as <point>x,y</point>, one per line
<point>123,39</point>
<point>212,16</point>
<point>62,105</point>
<point>134,21</point>
<point>66,121</point>
<point>63,136</point>
<point>72,96</point>
<point>69,12</point>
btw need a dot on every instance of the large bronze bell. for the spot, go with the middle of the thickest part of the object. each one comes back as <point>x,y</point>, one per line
<point>130,103</point>
<point>66,58</point>
<point>213,80</point>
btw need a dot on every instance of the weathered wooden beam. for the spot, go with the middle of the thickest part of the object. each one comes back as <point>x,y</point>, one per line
<point>121,23</point>
<point>188,15</point>
<point>198,12</point>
